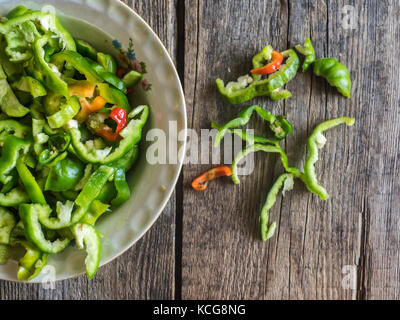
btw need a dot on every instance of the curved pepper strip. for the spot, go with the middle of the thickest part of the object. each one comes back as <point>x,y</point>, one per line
<point>246,88</point>
<point>107,76</point>
<point>308,51</point>
<point>19,40</point>
<point>286,181</point>
<point>335,73</point>
<point>29,214</point>
<point>77,61</point>
<point>245,152</point>
<point>7,224</point>
<point>131,135</point>
<point>279,125</point>
<point>31,85</point>
<point>49,73</point>
<point>9,103</point>
<point>317,141</point>
<point>13,127</point>
<point>86,236</point>
<point>14,198</point>
<point>97,209</point>
<point>10,153</point>
<point>31,263</point>
<point>246,136</point>
<point>107,62</point>
<point>114,96</point>
<point>259,60</point>
<point>29,181</point>
<point>67,112</point>
<point>57,144</point>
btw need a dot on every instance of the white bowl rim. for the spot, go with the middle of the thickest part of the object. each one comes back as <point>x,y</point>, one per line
<point>170,189</point>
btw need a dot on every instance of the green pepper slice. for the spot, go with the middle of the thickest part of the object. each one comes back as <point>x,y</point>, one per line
<point>131,135</point>
<point>33,229</point>
<point>7,224</point>
<point>86,236</point>
<point>308,51</point>
<point>11,150</point>
<point>114,96</point>
<point>335,73</point>
<point>65,175</point>
<point>85,49</point>
<point>29,181</point>
<point>107,62</point>
<point>246,88</point>
<point>13,127</point>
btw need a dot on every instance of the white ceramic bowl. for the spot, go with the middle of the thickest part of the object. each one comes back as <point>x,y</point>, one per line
<point>97,21</point>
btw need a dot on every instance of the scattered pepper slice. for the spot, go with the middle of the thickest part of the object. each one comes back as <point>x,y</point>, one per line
<point>201,182</point>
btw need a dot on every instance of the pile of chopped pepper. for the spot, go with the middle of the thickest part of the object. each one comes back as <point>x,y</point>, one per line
<point>68,137</point>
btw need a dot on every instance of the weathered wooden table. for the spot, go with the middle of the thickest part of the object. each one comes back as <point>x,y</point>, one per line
<point>206,245</point>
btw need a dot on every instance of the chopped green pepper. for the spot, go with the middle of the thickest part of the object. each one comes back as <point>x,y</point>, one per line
<point>29,214</point>
<point>7,224</point>
<point>308,51</point>
<point>11,150</point>
<point>246,88</point>
<point>279,125</point>
<point>131,135</point>
<point>85,49</point>
<point>107,62</point>
<point>317,141</point>
<point>31,85</point>
<point>335,73</point>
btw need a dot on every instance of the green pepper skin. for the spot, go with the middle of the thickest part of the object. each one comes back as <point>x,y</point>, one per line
<point>31,85</point>
<point>86,236</point>
<point>131,136</point>
<point>132,78</point>
<point>29,214</point>
<point>47,73</point>
<point>9,103</point>
<point>17,11</point>
<point>260,58</point>
<point>78,62</point>
<point>7,224</point>
<point>107,62</point>
<point>267,232</point>
<point>335,73</point>
<point>315,142</point>
<point>29,181</point>
<point>14,198</point>
<point>107,76</point>
<point>245,152</point>
<point>10,154</point>
<point>85,49</point>
<point>13,127</point>
<point>48,21</point>
<point>64,175</point>
<point>308,51</point>
<point>279,125</point>
<point>114,96</point>
<point>236,93</point>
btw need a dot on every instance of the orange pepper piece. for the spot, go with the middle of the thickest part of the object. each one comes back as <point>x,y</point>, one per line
<point>277,59</point>
<point>201,182</point>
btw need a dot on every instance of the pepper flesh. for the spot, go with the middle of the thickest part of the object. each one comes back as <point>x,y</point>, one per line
<point>201,182</point>
<point>308,51</point>
<point>279,125</point>
<point>273,66</point>
<point>315,142</point>
<point>247,88</point>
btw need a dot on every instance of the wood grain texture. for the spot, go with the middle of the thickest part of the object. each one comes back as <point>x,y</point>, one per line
<point>357,229</point>
<point>147,270</point>
<point>217,245</point>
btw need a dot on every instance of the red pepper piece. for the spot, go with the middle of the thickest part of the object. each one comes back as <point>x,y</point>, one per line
<point>119,116</point>
<point>273,66</point>
<point>201,183</point>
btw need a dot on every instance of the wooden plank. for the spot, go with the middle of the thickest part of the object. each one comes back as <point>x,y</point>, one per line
<point>379,147</point>
<point>146,271</point>
<point>222,254</point>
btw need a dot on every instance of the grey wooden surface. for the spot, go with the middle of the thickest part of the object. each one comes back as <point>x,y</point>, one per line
<point>206,245</point>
